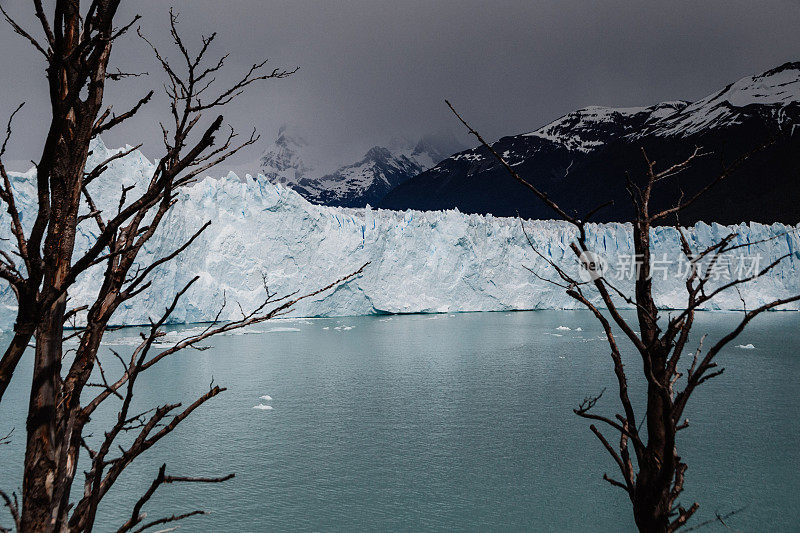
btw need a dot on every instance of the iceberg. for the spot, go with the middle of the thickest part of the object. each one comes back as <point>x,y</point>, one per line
<point>419,262</point>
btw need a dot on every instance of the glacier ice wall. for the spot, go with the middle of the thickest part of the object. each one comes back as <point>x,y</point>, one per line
<point>419,261</point>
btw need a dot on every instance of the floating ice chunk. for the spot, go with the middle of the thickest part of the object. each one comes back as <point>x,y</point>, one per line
<point>563,328</point>
<point>263,407</point>
<point>578,329</point>
<point>746,346</point>
<point>327,327</point>
<point>266,397</point>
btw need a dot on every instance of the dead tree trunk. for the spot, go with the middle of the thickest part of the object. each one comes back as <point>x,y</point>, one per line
<point>656,483</point>
<point>77,49</point>
<point>61,166</point>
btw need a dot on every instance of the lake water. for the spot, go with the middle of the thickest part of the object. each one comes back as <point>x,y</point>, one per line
<point>443,422</point>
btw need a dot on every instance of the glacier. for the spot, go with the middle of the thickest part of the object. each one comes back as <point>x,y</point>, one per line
<point>419,262</point>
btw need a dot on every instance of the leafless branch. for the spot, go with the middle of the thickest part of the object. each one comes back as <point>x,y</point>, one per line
<point>137,516</point>
<point>658,480</point>
<point>100,126</point>
<point>21,31</point>
<point>13,508</point>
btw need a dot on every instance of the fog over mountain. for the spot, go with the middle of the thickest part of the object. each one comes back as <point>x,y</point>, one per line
<point>293,161</point>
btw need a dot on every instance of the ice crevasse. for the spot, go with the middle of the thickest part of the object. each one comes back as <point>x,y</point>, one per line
<point>419,262</point>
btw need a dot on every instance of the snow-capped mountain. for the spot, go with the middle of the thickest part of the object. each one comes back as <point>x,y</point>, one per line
<point>358,184</point>
<point>774,94</point>
<point>592,127</point>
<point>582,158</point>
<point>437,261</point>
<point>288,161</point>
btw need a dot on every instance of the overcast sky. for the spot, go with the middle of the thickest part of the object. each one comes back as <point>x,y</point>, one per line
<point>373,70</point>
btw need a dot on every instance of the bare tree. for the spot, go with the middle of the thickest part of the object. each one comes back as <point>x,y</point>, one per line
<point>654,482</point>
<point>40,267</point>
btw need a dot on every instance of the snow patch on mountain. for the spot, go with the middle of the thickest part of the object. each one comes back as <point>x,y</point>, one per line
<point>437,261</point>
<point>592,127</point>
<point>773,90</point>
<point>368,180</point>
<point>291,158</point>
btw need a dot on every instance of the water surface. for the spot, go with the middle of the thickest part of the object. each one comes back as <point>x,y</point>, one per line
<point>443,422</point>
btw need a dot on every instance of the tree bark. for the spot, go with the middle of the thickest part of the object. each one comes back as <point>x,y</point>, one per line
<point>63,161</point>
<point>77,52</point>
<point>38,487</point>
<point>24,328</point>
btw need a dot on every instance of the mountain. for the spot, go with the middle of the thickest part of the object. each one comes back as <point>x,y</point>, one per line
<point>436,261</point>
<point>582,158</point>
<point>363,182</point>
<point>287,161</point>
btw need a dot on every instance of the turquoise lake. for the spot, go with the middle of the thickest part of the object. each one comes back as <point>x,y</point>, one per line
<point>442,423</point>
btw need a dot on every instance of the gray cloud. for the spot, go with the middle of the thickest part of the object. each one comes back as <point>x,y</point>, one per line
<point>371,71</point>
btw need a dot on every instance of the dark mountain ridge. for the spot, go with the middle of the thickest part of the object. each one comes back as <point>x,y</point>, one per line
<point>581,160</point>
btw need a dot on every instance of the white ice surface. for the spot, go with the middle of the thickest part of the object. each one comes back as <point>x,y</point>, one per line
<point>418,261</point>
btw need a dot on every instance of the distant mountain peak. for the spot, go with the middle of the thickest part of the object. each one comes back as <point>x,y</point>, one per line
<point>367,180</point>
<point>769,92</point>
<point>378,153</point>
<point>283,162</point>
